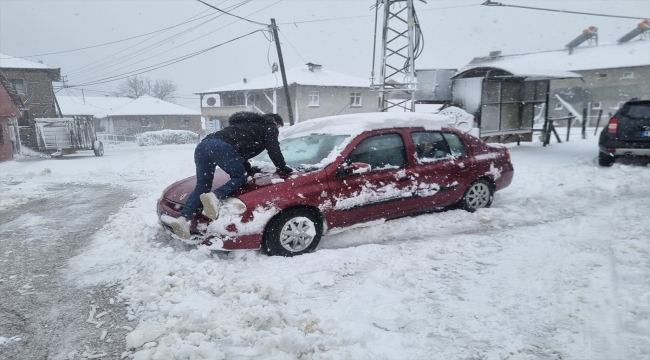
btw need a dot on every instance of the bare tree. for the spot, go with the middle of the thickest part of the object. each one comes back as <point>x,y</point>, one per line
<point>134,87</point>
<point>164,90</point>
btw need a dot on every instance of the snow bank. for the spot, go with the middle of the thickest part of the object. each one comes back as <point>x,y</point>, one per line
<point>166,137</point>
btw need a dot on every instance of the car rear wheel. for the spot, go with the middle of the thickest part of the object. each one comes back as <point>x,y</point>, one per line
<point>98,147</point>
<point>478,195</point>
<point>294,232</point>
<point>605,159</point>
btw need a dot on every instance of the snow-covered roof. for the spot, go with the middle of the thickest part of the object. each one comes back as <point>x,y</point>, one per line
<point>558,62</point>
<point>74,105</point>
<point>147,105</point>
<point>10,62</point>
<point>300,75</point>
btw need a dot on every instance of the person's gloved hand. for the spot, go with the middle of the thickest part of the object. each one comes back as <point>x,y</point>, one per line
<point>286,171</point>
<point>254,170</point>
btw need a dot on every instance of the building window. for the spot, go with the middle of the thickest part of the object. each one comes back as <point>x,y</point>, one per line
<point>355,99</point>
<point>596,105</point>
<point>18,85</point>
<point>185,123</point>
<point>559,106</point>
<point>314,98</point>
<point>144,122</point>
<point>602,76</point>
<point>628,75</point>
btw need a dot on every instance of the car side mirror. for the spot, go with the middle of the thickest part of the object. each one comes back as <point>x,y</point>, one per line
<point>353,169</point>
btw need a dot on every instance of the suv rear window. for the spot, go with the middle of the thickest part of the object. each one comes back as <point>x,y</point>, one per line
<point>637,111</point>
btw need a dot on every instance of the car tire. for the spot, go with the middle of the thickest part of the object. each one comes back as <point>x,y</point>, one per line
<point>478,195</point>
<point>605,159</point>
<point>293,232</point>
<point>98,147</point>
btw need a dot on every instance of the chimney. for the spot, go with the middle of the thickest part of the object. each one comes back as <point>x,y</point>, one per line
<point>245,80</point>
<point>495,54</point>
<point>313,66</point>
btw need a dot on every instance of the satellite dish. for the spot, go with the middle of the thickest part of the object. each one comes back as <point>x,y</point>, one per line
<point>211,101</point>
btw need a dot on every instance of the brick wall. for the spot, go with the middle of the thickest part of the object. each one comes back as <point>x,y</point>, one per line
<point>5,141</point>
<point>38,98</point>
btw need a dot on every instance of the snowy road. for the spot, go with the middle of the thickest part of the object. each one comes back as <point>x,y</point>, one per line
<point>558,268</point>
<point>46,311</point>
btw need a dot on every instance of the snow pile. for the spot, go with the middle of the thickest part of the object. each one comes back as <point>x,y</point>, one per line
<point>166,137</point>
<point>558,268</point>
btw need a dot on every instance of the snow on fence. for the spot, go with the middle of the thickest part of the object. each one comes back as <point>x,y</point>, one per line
<point>112,139</point>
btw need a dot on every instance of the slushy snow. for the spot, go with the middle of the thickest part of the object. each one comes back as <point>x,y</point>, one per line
<point>557,269</point>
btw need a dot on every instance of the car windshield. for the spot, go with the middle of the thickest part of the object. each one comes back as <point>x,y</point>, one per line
<point>306,152</point>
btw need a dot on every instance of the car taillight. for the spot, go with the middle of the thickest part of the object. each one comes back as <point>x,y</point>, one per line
<point>613,124</point>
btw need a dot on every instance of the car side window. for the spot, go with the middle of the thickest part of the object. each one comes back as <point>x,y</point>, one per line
<point>455,144</point>
<point>430,145</point>
<point>380,152</point>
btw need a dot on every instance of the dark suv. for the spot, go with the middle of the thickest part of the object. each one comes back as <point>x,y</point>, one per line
<point>627,134</point>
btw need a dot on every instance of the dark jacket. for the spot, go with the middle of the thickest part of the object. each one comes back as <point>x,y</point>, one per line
<point>250,134</point>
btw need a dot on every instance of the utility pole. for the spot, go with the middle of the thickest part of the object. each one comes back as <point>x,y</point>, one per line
<point>399,41</point>
<point>274,28</point>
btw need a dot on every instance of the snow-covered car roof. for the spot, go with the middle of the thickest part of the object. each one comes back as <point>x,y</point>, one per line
<point>354,124</point>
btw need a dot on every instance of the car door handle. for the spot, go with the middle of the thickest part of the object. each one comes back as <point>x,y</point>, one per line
<point>404,178</point>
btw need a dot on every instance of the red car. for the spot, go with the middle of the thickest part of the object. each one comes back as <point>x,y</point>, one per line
<point>350,169</point>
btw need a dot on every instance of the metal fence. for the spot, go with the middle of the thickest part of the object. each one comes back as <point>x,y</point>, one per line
<point>110,139</point>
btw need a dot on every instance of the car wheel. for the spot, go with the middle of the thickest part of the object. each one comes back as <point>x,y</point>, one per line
<point>478,195</point>
<point>605,159</point>
<point>98,147</point>
<point>294,232</point>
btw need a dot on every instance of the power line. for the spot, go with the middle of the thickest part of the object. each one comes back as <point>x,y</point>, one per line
<point>187,42</point>
<point>101,64</point>
<point>239,17</point>
<point>162,64</point>
<point>491,3</point>
<point>116,41</point>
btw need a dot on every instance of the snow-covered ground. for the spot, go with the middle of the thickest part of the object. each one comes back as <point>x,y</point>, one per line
<point>558,268</point>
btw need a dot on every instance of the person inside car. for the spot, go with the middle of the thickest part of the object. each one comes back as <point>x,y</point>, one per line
<point>247,135</point>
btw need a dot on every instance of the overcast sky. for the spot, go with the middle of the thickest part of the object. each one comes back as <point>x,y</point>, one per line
<point>454,32</point>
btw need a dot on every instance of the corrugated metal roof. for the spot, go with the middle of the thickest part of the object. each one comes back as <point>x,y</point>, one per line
<point>633,53</point>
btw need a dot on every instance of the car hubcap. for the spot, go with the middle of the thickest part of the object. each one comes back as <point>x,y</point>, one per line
<point>478,196</point>
<point>297,234</point>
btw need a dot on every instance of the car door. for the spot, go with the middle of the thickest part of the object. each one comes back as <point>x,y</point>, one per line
<point>376,192</point>
<point>439,173</point>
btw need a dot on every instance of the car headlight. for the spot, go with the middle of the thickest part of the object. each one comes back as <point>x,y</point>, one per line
<point>233,206</point>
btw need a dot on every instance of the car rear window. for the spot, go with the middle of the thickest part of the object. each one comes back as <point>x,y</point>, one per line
<point>455,144</point>
<point>637,111</point>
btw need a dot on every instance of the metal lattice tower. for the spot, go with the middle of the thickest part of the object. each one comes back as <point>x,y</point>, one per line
<point>397,81</point>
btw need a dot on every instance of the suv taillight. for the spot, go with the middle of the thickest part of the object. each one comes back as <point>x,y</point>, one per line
<point>613,124</point>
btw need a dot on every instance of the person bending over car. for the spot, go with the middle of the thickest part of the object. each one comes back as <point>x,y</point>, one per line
<point>248,135</point>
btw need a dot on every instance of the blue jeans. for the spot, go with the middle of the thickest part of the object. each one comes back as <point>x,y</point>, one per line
<point>209,154</point>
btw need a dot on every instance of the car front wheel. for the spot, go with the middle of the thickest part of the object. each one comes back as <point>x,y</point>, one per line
<point>605,159</point>
<point>294,232</point>
<point>478,195</point>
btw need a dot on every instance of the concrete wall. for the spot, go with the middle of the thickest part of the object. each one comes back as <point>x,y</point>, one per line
<point>606,86</point>
<point>131,125</point>
<point>38,98</point>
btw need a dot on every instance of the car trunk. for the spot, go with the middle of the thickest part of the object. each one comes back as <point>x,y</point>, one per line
<point>634,123</point>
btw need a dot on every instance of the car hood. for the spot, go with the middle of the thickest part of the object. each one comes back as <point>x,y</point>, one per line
<point>180,190</point>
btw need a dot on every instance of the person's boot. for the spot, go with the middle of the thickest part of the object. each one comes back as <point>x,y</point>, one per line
<point>211,205</point>
<point>181,227</point>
